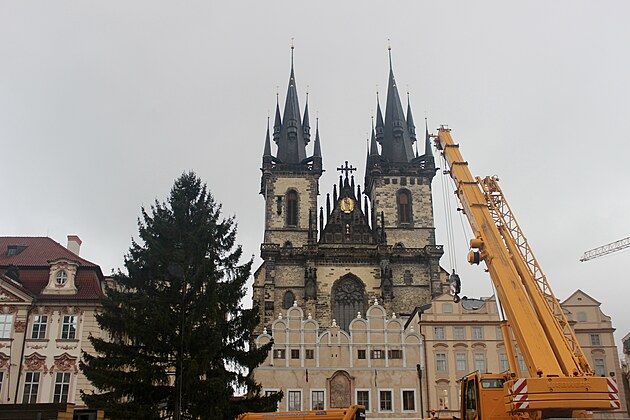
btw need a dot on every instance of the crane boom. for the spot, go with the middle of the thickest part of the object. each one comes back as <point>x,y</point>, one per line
<point>565,383</point>
<point>606,249</point>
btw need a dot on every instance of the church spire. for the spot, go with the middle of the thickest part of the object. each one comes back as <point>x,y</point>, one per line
<point>397,140</point>
<point>380,125</point>
<point>410,125</point>
<point>267,151</point>
<point>306,122</point>
<point>317,151</point>
<point>291,139</point>
<point>427,140</point>
<point>373,146</point>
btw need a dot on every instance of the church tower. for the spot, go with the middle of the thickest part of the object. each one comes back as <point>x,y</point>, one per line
<point>398,182</point>
<point>290,186</point>
<point>290,180</point>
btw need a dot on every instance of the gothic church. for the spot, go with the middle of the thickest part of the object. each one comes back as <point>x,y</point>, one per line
<point>334,256</point>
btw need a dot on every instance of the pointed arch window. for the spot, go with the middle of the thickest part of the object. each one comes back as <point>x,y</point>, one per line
<point>404,207</point>
<point>292,208</point>
<point>348,298</point>
<point>288,300</point>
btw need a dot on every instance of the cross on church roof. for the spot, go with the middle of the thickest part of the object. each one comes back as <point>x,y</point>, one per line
<point>347,169</point>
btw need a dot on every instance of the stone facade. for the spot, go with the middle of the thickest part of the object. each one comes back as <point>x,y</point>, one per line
<point>459,341</point>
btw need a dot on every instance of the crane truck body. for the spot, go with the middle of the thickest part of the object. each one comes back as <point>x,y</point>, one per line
<point>559,382</point>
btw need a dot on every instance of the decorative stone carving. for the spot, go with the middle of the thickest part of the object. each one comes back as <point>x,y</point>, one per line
<point>9,309</point>
<point>310,283</point>
<point>4,361</point>
<point>35,361</point>
<point>20,326</point>
<point>65,363</point>
<point>340,386</point>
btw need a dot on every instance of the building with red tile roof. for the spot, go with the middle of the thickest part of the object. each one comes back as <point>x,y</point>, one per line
<point>48,299</point>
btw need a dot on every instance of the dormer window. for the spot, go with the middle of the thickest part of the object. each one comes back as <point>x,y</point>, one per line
<point>61,278</point>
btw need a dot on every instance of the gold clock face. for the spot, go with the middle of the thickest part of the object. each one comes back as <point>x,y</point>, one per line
<point>347,205</point>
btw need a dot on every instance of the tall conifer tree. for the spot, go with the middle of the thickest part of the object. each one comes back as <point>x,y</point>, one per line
<point>178,335</point>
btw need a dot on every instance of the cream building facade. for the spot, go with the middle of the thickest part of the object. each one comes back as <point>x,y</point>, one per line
<point>466,337</point>
<point>48,299</point>
<point>376,364</point>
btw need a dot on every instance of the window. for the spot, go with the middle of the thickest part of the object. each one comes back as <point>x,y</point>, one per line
<point>477,333</point>
<point>581,316</point>
<point>348,298</point>
<point>39,326</point>
<point>595,341</point>
<point>279,354</point>
<point>404,207</point>
<point>499,333</point>
<point>6,321</point>
<point>408,276</point>
<point>395,354</point>
<point>408,400</point>
<point>459,333</point>
<point>440,362</point>
<point>61,277</point>
<point>480,362</point>
<point>317,400</point>
<point>1,380</point>
<point>288,299</point>
<point>363,398</point>
<point>292,208</point>
<point>69,327</point>
<point>295,353</point>
<point>438,333</point>
<point>600,367</point>
<point>447,308</point>
<point>377,354</point>
<point>442,395</point>
<point>385,400</point>
<point>270,392</point>
<point>31,386</point>
<point>62,385</point>
<point>310,353</point>
<point>461,363</point>
<point>360,354</point>
<point>503,362</point>
<point>295,401</point>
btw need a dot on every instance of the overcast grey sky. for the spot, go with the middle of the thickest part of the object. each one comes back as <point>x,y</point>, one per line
<point>104,103</point>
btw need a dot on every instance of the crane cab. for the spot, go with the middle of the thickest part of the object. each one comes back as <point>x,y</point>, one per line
<point>483,397</point>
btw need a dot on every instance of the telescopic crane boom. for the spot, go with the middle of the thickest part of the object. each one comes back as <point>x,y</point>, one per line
<point>560,382</point>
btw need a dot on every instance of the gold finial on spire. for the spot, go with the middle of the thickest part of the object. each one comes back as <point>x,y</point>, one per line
<point>389,44</point>
<point>292,48</point>
<point>389,51</point>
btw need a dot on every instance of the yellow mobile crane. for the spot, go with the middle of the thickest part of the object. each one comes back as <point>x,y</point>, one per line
<point>561,384</point>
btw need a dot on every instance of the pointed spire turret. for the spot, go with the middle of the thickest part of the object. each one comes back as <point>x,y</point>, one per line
<point>317,151</point>
<point>291,139</point>
<point>306,123</point>
<point>427,140</point>
<point>373,146</point>
<point>267,151</point>
<point>410,125</point>
<point>277,122</point>
<point>380,125</point>
<point>397,141</point>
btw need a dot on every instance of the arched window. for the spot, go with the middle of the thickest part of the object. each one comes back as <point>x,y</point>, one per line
<point>348,299</point>
<point>404,207</point>
<point>292,208</point>
<point>288,300</point>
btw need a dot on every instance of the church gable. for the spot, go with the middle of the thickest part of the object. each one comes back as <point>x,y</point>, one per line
<point>346,222</point>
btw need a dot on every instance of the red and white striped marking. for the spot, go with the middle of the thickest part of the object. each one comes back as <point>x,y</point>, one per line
<point>519,394</point>
<point>613,393</point>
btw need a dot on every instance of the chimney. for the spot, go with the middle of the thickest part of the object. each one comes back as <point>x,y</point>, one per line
<point>74,244</point>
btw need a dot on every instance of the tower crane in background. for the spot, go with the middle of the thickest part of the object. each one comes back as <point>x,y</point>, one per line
<point>606,249</point>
